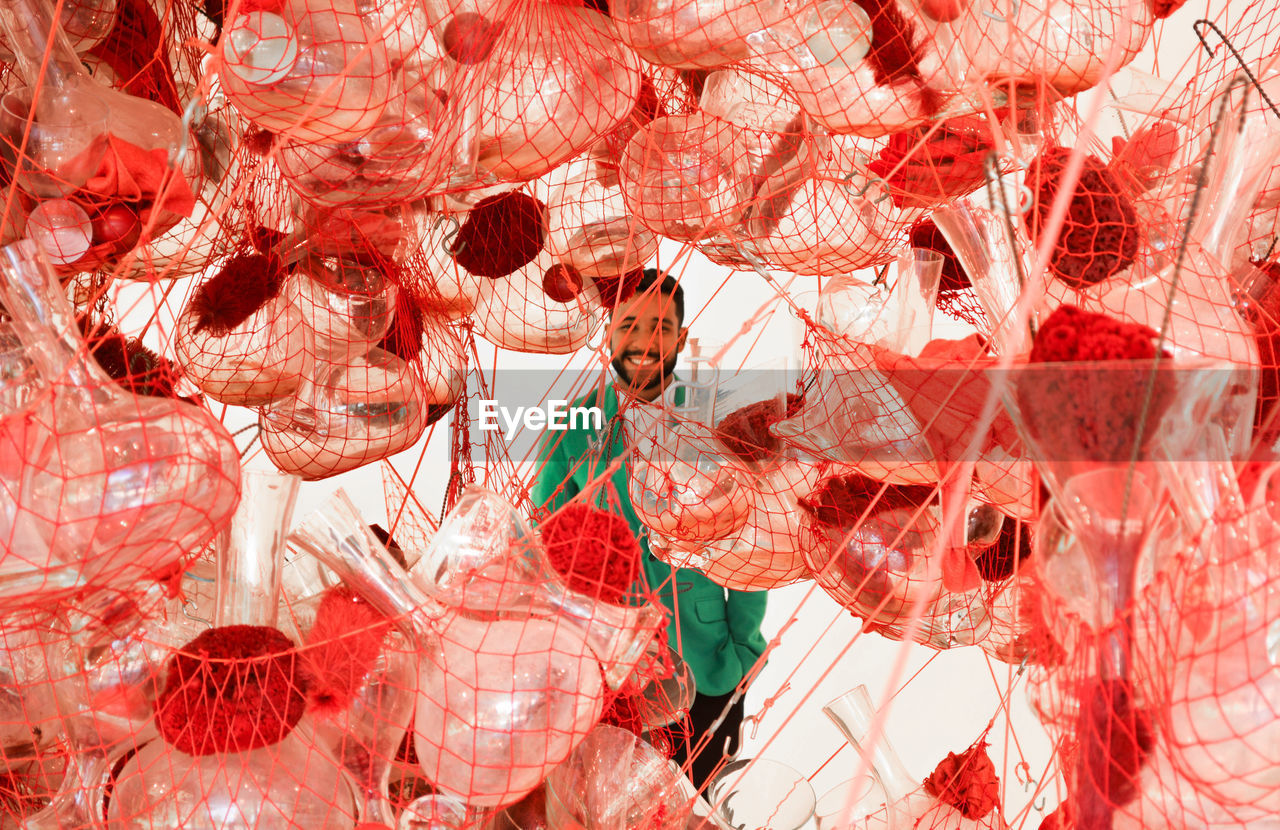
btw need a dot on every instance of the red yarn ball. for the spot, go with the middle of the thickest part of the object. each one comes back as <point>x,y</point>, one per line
<point>1099,236</point>
<point>594,550</point>
<point>501,235</point>
<point>469,38</point>
<point>562,283</point>
<point>925,234</point>
<point>231,689</point>
<point>1072,334</point>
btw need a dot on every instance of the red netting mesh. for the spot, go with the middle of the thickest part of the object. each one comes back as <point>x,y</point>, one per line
<point>307,237</point>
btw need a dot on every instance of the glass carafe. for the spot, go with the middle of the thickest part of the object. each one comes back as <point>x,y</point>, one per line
<point>119,486</point>
<point>500,701</point>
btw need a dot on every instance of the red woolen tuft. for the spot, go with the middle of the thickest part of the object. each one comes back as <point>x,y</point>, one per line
<point>925,234</point>
<point>996,561</point>
<point>1072,334</point>
<point>231,689</point>
<point>404,338</point>
<point>501,235</point>
<point>745,431</point>
<point>616,290</point>
<point>245,284</point>
<point>896,50</point>
<point>562,283</point>
<point>841,501</point>
<point>342,647</point>
<point>1099,236</point>
<point>594,550</point>
<point>1162,9</point>
<point>967,782</point>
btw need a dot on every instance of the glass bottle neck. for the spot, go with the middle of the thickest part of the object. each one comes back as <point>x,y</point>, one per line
<point>44,53</point>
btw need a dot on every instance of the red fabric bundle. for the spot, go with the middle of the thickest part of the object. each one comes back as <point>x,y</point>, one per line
<point>1099,235</point>
<point>617,289</point>
<point>141,181</point>
<point>1072,334</point>
<point>594,550</point>
<point>929,165</point>
<point>134,51</point>
<point>231,689</point>
<point>967,782</point>
<point>501,235</point>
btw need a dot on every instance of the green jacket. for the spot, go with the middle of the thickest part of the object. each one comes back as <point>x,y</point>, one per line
<point>717,630</point>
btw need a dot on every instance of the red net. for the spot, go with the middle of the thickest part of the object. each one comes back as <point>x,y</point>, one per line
<point>246,244</point>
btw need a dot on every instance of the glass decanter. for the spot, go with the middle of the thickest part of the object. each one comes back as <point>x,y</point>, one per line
<point>119,486</point>
<point>501,698</point>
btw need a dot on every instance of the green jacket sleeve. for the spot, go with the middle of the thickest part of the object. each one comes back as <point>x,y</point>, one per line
<point>554,485</point>
<point>746,614</point>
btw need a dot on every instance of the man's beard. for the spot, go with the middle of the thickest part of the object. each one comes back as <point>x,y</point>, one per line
<point>659,380</point>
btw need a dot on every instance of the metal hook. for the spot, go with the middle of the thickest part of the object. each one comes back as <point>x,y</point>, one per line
<point>1202,23</point>
<point>190,603</point>
<point>194,106</point>
<point>446,241</point>
<point>1040,803</point>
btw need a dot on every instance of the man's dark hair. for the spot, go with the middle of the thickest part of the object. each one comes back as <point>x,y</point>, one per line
<point>667,286</point>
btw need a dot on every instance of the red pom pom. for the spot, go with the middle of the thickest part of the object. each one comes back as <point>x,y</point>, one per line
<point>116,224</point>
<point>1099,236</point>
<point>244,285</point>
<point>501,235</point>
<point>231,689</point>
<point>967,782</point>
<point>594,550</point>
<point>562,283</point>
<point>1072,334</point>
<point>342,648</point>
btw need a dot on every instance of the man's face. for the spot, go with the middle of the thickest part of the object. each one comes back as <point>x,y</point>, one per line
<point>645,339</point>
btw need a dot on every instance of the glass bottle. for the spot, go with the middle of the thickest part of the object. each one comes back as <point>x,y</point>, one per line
<point>758,794</point>
<point>122,486</point>
<point>500,701</point>
<point>47,61</point>
<point>856,717</point>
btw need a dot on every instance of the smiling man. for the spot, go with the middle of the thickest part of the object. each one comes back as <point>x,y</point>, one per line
<point>716,631</point>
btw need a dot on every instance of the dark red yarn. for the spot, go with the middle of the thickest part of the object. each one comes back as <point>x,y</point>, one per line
<point>594,550</point>
<point>1263,313</point>
<point>231,689</point>
<point>967,781</point>
<point>1115,737</point>
<point>617,289</point>
<point>343,646</point>
<point>840,501</point>
<point>896,49</point>
<point>128,362</point>
<point>1099,236</point>
<point>997,561</point>
<point>745,431</point>
<point>245,284</point>
<point>501,235</point>
<point>404,338</point>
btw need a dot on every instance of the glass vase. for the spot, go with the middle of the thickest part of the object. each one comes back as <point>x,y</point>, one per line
<point>116,486</point>
<point>500,701</point>
<point>758,794</point>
